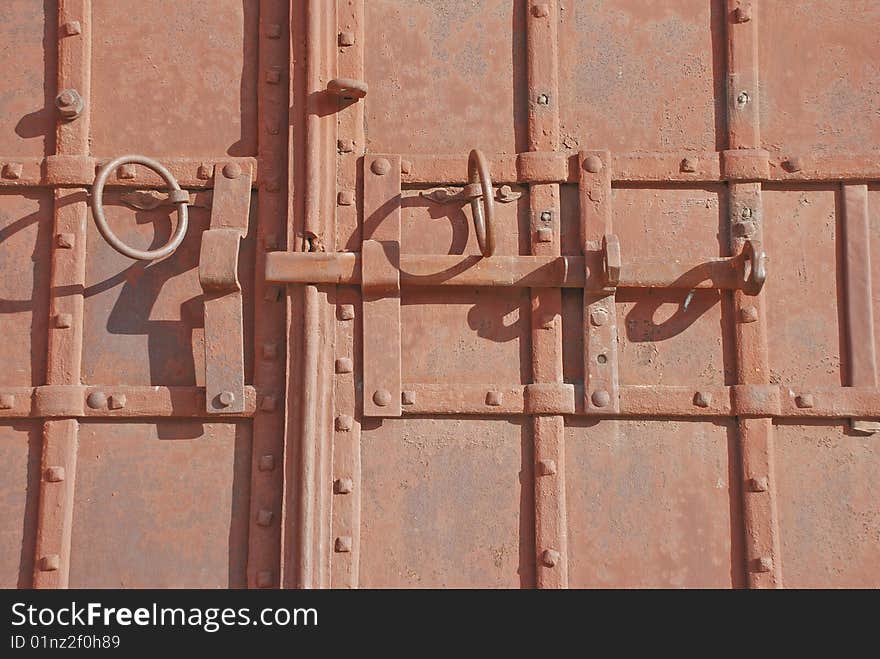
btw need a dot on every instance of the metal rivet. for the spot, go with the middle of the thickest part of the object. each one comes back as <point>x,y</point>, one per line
<point>793,164</point>
<point>494,398</point>
<point>343,544</point>
<point>231,170</point>
<point>804,400</point>
<point>12,170</point>
<point>269,403</point>
<point>405,166</point>
<point>343,486</point>
<point>266,463</point>
<point>380,166</point>
<point>763,564</point>
<point>265,579</point>
<point>546,467</point>
<point>746,213</point>
<point>598,317</point>
<point>264,517</point>
<point>742,229</point>
<point>346,311</point>
<point>65,240</point>
<point>408,397</point>
<point>50,563</point>
<point>273,75</point>
<point>345,198</point>
<point>689,165</point>
<point>346,38</point>
<point>96,400</point>
<point>204,172</point>
<point>344,422</point>
<point>546,216</point>
<point>760,484</point>
<point>702,399</point>
<point>226,398</point>
<point>600,398</point>
<point>273,31</point>
<point>602,358</point>
<point>550,557</point>
<point>748,314</point>
<point>543,99</point>
<point>540,11</point>
<point>742,14</point>
<point>593,164</point>
<point>7,401</point>
<point>345,146</point>
<point>382,397</point>
<point>544,235</point>
<point>55,474</point>
<point>126,172</point>
<point>71,28</point>
<point>116,401</point>
<point>63,320</point>
<point>743,98</point>
<point>344,365</point>
<point>70,104</point>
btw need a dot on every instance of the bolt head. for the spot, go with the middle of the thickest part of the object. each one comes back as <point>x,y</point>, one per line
<point>204,172</point>
<point>540,11</point>
<point>226,398</point>
<point>601,398</point>
<point>55,474</point>
<point>543,99</point>
<point>380,166</point>
<point>593,164</point>
<point>748,314</point>
<point>408,397</point>
<point>344,365</point>
<point>544,235</point>
<point>50,563</point>
<point>273,76</point>
<point>12,170</point>
<point>494,398</point>
<point>702,399</point>
<point>345,198</point>
<point>743,98</point>
<point>345,146</point>
<point>344,423</point>
<point>742,14</point>
<point>7,401</point>
<point>269,403</point>
<point>343,544</point>
<point>760,484</point>
<point>69,103</point>
<point>546,467</point>
<point>346,312</point>
<point>743,229</point>
<point>343,486</point>
<point>264,517</point>
<point>689,165</point>
<point>71,28</point>
<point>65,240</point>
<point>232,170</point>
<point>116,401</point>
<point>598,317</point>
<point>63,320</point>
<point>550,557</point>
<point>406,166</point>
<point>96,400</point>
<point>546,216</point>
<point>792,165</point>
<point>763,564</point>
<point>266,463</point>
<point>273,31</point>
<point>270,351</point>
<point>346,38</point>
<point>804,400</point>
<point>382,397</point>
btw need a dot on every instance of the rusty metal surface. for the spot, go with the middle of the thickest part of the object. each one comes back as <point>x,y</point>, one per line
<point>485,294</point>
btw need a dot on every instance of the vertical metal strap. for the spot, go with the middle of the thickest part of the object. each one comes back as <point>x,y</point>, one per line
<point>860,338</point>
<point>601,391</point>
<point>760,519</point>
<point>67,279</point>
<point>551,527</point>
<point>380,282</point>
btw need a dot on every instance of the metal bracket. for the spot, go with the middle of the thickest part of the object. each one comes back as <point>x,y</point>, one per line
<point>218,275</point>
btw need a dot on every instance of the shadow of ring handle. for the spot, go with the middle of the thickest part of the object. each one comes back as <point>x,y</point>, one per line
<point>180,200</point>
<point>484,221</point>
<point>755,274</point>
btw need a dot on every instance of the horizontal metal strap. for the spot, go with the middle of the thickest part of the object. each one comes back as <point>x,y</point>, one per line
<point>344,268</point>
<point>68,401</point>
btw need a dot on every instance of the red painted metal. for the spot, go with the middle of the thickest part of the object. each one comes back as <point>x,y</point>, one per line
<point>492,294</point>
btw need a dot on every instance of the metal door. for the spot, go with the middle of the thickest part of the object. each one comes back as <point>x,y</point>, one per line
<point>533,294</point>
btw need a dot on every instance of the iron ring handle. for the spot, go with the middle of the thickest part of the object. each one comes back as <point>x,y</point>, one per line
<point>757,272</point>
<point>484,224</point>
<point>101,222</point>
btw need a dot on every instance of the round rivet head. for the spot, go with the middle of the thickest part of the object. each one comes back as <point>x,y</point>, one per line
<point>550,557</point>
<point>231,170</point>
<point>380,166</point>
<point>382,397</point>
<point>593,164</point>
<point>600,398</point>
<point>748,314</point>
<point>96,400</point>
<point>226,398</point>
